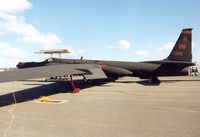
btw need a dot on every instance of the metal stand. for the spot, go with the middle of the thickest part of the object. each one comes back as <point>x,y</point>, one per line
<point>76,90</point>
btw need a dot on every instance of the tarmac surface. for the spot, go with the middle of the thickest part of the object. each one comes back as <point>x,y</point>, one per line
<point>129,107</point>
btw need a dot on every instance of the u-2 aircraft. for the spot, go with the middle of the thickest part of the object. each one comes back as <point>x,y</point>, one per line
<point>176,64</point>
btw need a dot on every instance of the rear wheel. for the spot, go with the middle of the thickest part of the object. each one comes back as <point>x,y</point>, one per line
<point>155,80</point>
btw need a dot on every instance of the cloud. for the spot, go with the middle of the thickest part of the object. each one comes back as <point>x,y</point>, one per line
<point>8,51</point>
<point>123,45</point>
<point>12,22</point>
<point>18,26</point>
<point>75,52</point>
<point>167,47</point>
<point>46,41</point>
<point>15,24</point>
<point>13,6</point>
<point>10,55</point>
<point>141,53</point>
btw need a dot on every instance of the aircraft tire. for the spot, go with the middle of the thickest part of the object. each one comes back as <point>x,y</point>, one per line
<point>154,80</point>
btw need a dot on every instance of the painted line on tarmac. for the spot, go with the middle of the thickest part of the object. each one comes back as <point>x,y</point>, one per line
<point>58,102</point>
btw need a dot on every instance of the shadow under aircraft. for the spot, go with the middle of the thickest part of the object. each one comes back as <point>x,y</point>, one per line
<point>45,90</point>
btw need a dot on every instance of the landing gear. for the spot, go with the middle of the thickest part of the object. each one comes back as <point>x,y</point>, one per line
<point>85,79</point>
<point>75,89</point>
<point>155,80</point>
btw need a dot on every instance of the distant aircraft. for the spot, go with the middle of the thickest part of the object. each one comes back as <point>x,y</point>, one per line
<point>176,64</point>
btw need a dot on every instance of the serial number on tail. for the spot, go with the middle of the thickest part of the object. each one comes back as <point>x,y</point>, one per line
<point>177,53</point>
<point>182,46</point>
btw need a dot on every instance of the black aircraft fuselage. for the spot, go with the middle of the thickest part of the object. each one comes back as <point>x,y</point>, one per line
<point>143,70</point>
<point>176,64</point>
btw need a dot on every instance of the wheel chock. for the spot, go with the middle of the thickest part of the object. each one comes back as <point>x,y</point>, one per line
<point>43,99</point>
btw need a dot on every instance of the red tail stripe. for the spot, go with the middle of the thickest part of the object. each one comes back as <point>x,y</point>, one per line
<point>187,32</point>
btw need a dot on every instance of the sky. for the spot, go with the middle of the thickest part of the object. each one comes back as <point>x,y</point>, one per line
<point>127,30</point>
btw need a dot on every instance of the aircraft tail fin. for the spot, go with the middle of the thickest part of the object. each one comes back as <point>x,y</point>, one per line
<point>182,50</point>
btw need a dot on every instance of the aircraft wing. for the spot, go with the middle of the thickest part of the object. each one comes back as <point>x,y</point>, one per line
<point>91,71</point>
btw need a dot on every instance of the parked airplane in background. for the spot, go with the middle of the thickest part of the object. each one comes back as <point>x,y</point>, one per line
<point>176,64</point>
